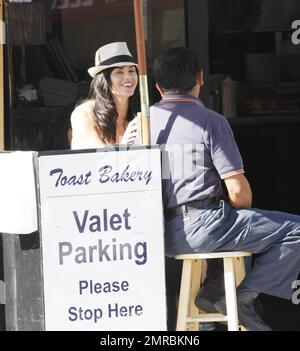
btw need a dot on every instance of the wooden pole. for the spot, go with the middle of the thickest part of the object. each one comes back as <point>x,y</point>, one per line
<point>143,83</point>
<point>2,39</point>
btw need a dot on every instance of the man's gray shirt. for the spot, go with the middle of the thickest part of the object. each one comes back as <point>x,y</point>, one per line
<point>199,145</point>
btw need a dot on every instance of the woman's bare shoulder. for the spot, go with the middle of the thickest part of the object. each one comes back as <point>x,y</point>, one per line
<point>83,113</point>
<point>85,107</point>
<point>85,131</point>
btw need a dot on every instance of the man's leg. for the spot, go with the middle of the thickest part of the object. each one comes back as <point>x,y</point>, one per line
<point>247,310</point>
<point>273,236</point>
<point>213,286</point>
<point>275,239</point>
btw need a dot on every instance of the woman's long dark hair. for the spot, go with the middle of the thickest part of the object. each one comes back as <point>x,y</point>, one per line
<point>105,110</point>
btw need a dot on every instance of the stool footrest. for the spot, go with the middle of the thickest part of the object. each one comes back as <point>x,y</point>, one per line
<point>208,317</point>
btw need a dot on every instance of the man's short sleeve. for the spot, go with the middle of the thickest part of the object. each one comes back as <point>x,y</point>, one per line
<point>224,150</point>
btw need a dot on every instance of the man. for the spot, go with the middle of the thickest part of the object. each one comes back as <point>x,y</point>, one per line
<point>200,151</point>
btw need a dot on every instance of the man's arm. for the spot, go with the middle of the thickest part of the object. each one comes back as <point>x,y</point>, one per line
<point>239,191</point>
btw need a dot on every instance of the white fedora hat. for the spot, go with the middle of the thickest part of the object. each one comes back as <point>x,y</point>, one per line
<point>111,55</point>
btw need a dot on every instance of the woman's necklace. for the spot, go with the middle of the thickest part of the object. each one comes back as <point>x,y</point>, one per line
<point>120,130</point>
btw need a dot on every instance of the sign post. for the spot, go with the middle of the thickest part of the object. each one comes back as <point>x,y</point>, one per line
<point>2,38</point>
<point>103,255</point>
<point>143,83</point>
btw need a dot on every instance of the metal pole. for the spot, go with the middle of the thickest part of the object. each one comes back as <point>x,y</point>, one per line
<point>2,38</point>
<point>143,83</point>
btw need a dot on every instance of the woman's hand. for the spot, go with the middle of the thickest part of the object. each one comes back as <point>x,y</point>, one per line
<point>130,132</point>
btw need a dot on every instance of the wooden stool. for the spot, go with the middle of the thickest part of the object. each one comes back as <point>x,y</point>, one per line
<point>189,316</point>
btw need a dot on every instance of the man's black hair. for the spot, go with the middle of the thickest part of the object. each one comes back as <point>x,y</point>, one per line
<point>176,69</point>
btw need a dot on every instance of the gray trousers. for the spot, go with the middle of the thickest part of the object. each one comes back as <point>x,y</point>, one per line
<point>273,236</point>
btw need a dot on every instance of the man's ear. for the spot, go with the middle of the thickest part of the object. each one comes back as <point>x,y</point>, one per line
<point>159,89</point>
<point>200,78</point>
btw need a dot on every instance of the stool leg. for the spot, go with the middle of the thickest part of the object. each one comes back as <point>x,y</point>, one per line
<point>239,266</point>
<point>184,295</point>
<point>230,292</point>
<point>195,285</point>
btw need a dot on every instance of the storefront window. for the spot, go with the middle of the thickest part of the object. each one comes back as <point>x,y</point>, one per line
<point>84,25</point>
<point>48,61</point>
<point>254,58</point>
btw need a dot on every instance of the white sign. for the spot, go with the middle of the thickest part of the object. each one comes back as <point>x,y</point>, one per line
<point>18,210</point>
<point>102,241</point>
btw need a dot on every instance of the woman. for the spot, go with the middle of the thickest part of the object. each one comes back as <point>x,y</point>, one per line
<point>107,117</point>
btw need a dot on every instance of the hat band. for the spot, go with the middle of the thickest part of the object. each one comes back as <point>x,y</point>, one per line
<point>116,59</point>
